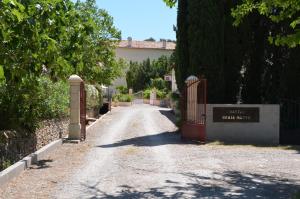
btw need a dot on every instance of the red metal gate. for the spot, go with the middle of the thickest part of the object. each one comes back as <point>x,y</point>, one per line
<point>83,111</point>
<point>193,109</point>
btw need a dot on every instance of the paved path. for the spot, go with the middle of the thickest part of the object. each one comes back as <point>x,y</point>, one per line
<point>135,152</point>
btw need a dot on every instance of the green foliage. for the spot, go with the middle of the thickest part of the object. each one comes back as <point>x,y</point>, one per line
<point>238,62</point>
<point>55,98</point>
<point>158,83</point>
<point>200,51</point>
<point>170,3</point>
<point>123,98</point>
<point>182,46</point>
<point>122,89</point>
<point>146,93</point>
<point>93,97</point>
<point>6,164</point>
<point>36,98</point>
<point>160,94</point>
<point>150,39</point>
<point>206,45</point>
<point>175,96</point>
<point>139,75</point>
<point>276,11</point>
<point>57,38</point>
<point>297,195</point>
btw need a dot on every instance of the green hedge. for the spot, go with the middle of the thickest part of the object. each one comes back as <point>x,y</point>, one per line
<point>123,98</point>
<point>160,94</point>
<point>24,105</point>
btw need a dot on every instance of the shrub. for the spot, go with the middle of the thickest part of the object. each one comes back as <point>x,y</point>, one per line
<point>146,93</point>
<point>296,195</point>
<point>159,83</point>
<point>175,96</point>
<point>122,90</point>
<point>123,98</point>
<point>94,97</point>
<point>160,94</point>
<point>33,100</point>
<point>55,99</point>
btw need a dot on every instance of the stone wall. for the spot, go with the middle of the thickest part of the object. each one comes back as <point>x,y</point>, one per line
<point>51,130</point>
<point>13,147</point>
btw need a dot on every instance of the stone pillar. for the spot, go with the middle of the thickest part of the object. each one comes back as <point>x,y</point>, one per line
<point>74,126</point>
<point>130,91</point>
<point>152,97</point>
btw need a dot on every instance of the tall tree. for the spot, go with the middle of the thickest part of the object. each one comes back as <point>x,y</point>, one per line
<point>182,46</point>
<point>206,45</point>
<point>56,38</point>
<point>276,11</point>
<point>235,42</point>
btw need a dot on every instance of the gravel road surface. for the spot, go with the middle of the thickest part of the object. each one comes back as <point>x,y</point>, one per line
<point>135,152</point>
<point>138,154</point>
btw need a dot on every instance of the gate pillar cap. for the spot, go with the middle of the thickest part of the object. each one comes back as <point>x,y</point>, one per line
<point>75,79</point>
<point>191,78</point>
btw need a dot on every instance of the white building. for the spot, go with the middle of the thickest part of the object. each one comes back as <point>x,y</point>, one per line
<point>138,51</point>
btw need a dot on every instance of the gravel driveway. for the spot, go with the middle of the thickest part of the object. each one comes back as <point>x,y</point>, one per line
<point>135,152</point>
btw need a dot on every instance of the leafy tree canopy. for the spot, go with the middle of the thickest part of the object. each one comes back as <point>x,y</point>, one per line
<point>141,75</point>
<point>277,11</point>
<point>170,3</point>
<point>51,38</point>
<point>57,36</point>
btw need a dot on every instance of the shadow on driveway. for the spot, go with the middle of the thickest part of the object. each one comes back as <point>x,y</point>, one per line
<point>230,184</point>
<point>164,138</point>
<point>169,114</point>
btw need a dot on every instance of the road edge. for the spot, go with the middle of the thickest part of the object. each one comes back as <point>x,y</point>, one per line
<point>17,168</point>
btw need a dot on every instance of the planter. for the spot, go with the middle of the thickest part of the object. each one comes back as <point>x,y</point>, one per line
<point>124,103</point>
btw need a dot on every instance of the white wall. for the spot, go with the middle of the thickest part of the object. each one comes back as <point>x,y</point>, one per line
<point>140,54</point>
<point>265,132</point>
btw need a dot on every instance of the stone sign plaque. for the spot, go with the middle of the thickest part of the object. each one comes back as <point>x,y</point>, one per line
<point>235,114</point>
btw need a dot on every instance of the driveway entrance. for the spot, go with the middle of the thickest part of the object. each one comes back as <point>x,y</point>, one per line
<point>135,152</point>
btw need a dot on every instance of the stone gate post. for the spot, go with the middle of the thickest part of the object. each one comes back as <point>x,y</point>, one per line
<point>74,126</point>
<point>152,97</point>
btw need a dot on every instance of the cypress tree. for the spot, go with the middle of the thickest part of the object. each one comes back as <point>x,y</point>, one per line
<point>206,44</point>
<point>234,44</point>
<point>290,77</point>
<point>254,64</point>
<point>182,49</point>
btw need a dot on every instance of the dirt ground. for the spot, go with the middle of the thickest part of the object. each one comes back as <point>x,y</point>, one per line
<point>135,152</point>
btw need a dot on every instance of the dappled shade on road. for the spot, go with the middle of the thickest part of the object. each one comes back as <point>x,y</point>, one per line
<point>238,185</point>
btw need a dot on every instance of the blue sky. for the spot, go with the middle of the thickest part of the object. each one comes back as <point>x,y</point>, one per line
<point>141,19</point>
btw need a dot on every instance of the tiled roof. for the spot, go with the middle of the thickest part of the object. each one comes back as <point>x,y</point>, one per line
<point>147,45</point>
